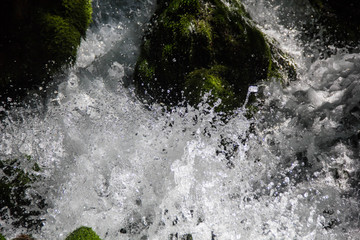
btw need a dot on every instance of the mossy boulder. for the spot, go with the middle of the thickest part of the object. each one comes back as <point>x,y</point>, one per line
<point>83,233</point>
<point>197,46</point>
<point>17,202</point>
<point>212,81</point>
<point>38,39</point>
<point>340,20</point>
<point>23,237</point>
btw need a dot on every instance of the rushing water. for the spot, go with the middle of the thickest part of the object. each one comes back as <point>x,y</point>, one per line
<point>132,171</point>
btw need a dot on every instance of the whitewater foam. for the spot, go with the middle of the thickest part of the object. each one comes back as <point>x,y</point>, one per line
<point>133,171</point>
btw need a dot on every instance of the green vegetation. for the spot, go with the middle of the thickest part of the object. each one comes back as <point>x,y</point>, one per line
<point>60,34</point>
<point>39,38</point>
<point>62,30</point>
<point>198,46</point>
<point>202,81</point>
<point>83,233</point>
<point>2,237</point>
<point>78,13</point>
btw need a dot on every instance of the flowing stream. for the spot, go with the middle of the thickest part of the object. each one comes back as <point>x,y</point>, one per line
<point>132,171</point>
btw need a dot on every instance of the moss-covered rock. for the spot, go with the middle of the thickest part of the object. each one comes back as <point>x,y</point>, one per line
<point>38,38</point>
<point>15,198</point>
<point>83,233</point>
<point>340,20</point>
<point>212,81</point>
<point>23,237</point>
<point>195,46</point>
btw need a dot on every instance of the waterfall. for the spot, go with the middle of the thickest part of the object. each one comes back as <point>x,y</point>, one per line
<point>134,171</point>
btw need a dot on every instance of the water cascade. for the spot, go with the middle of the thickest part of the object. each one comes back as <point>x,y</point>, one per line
<point>133,171</point>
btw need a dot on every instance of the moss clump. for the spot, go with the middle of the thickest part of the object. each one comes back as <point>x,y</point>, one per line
<point>38,40</point>
<point>83,233</point>
<point>62,29</point>
<point>78,12</point>
<point>60,34</point>
<point>212,81</point>
<point>196,46</point>
<point>15,198</point>
<point>2,237</point>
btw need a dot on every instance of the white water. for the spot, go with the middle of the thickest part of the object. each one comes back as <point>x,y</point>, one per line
<point>115,165</point>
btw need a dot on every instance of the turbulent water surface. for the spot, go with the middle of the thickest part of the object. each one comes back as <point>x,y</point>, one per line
<point>132,171</point>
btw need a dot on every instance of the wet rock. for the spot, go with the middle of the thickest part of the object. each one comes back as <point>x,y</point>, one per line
<point>21,205</point>
<point>23,237</point>
<point>340,20</point>
<point>194,47</point>
<point>38,39</point>
<point>345,10</point>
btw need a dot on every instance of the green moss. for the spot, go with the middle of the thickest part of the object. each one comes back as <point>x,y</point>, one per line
<point>183,27</point>
<point>189,39</point>
<point>179,7</point>
<point>83,233</point>
<point>62,29</point>
<point>2,237</point>
<point>146,71</point>
<point>210,81</point>
<point>79,14</point>
<point>167,51</point>
<point>61,40</point>
<point>39,39</point>
<point>203,28</point>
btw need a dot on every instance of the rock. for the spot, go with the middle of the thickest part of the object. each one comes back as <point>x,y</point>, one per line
<point>202,81</point>
<point>38,38</point>
<point>15,197</point>
<point>194,47</point>
<point>23,237</point>
<point>348,10</point>
<point>340,20</point>
<point>83,233</point>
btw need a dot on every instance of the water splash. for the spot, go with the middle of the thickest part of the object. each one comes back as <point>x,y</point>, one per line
<point>132,171</point>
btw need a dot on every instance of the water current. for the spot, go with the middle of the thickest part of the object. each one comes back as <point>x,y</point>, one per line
<point>133,171</point>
